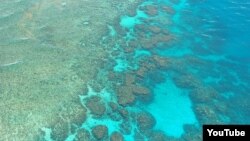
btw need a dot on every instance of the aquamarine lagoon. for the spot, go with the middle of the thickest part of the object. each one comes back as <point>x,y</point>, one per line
<point>113,70</point>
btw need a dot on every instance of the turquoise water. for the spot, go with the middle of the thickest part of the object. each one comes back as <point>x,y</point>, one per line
<point>212,48</point>
<point>174,112</point>
<point>164,71</point>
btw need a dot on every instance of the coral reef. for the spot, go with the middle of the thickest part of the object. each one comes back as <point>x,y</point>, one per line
<point>116,136</point>
<point>206,114</point>
<point>60,130</point>
<point>142,93</point>
<point>126,53</point>
<point>125,96</point>
<point>96,106</point>
<point>100,132</point>
<point>154,29</point>
<point>125,127</point>
<point>157,136</point>
<point>187,81</point>
<point>203,94</point>
<point>83,135</point>
<point>124,113</point>
<point>138,136</point>
<point>151,10</point>
<point>59,46</point>
<point>192,133</point>
<point>145,121</point>
<point>161,61</point>
<point>168,9</point>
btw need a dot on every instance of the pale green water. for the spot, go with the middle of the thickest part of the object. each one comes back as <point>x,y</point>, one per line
<point>49,52</point>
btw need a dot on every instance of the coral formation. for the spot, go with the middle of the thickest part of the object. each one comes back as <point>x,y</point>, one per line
<point>96,106</point>
<point>116,136</point>
<point>145,121</point>
<point>151,10</point>
<point>157,136</point>
<point>83,135</point>
<point>100,132</point>
<point>125,96</point>
<point>187,81</point>
<point>203,94</point>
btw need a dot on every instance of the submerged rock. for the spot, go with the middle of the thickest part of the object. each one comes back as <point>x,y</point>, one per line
<point>145,121</point>
<point>100,132</point>
<point>116,136</point>
<point>96,106</point>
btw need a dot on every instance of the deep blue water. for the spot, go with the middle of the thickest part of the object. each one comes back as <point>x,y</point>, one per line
<point>231,24</point>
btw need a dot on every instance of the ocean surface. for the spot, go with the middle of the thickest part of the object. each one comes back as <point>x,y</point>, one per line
<point>154,70</point>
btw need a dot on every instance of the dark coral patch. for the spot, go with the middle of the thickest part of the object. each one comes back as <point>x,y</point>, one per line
<point>187,81</point>
<point>168,9</point>
<point>125,96</point>
<point>203,94</point>
<point>145,121</point>
<point>95,105</point>
<point>151,10</point>
<point>100,132</point>
<point>157,136</point>
<point>116,136</point>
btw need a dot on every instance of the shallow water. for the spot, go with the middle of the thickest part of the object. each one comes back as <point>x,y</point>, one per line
<point>148,70</point>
